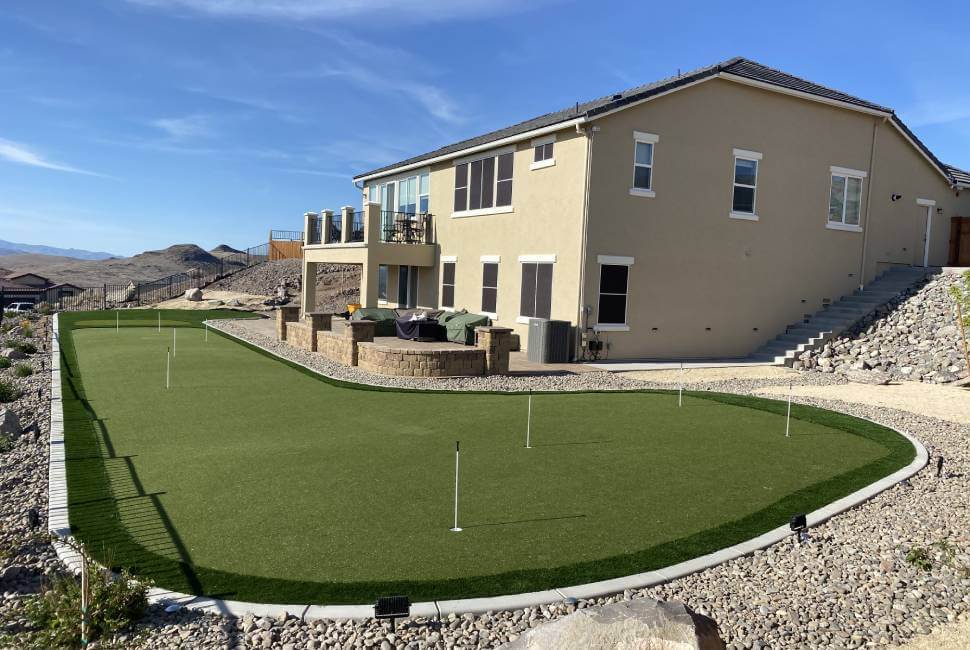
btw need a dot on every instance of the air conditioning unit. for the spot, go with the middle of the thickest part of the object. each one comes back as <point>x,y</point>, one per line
<point>548,341</point>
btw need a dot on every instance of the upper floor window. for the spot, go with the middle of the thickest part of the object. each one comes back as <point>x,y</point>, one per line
<point>543,154</point>
<point>484,183</point>
<point>744,197</point>
<point>409,194</point>
<point>643,145</point>
<point>845,198</point>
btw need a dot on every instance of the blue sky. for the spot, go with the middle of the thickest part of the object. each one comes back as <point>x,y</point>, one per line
<point>128,125</point>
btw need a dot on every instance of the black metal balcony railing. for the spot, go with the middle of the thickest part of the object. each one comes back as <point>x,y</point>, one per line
<point>406,227</point>
<point>356,227</point>
<point>286,235</point>
<point>334,236</point>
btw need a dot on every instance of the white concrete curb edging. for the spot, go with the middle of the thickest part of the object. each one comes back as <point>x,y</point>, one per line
<point>59,526</point>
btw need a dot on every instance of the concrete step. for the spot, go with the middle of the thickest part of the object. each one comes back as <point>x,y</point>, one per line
<point>807,332</point>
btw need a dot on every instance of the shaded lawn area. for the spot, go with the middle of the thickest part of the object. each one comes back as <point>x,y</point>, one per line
<point>255,480</point>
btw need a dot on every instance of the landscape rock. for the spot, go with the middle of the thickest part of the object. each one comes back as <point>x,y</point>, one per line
<point>10,425</point>
<point>193,295</point>
<point>913,337</point>
<point>862,376</point>
<point>12,354</point>
<point>627,625</point>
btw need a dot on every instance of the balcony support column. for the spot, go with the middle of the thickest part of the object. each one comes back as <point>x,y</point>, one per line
<point>308,288</point>
<point>372,223</point>
<point>308,234</point>
<point>347,223</point>
<point>368,283</point>
<point>327,218</point>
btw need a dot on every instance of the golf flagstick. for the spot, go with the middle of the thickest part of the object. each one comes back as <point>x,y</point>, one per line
<point>455,528</point>
<point>168,365</point>
<point>788,417</point>
<point>173,341</point>
<point>159,322</point>
<point>528,425</point>
<point>680,389</point>
<point>117,321</point>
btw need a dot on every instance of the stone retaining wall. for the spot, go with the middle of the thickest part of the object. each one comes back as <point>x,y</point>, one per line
<point>301,335</point>
<point>384,360</point>
<point>284,316</point>
<point>337,348</point>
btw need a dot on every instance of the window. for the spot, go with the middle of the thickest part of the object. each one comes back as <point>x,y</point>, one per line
<point>845,198</point>
<point>448,285</point>
<point>744,197</point>
<point>613,291</point>
<point>382,282</point>
<point>484,184</point>
<point>542,152</point>
<point>424,191</point>
<point>643,144</point>
<point>489,287</point>
<point>536,299</point>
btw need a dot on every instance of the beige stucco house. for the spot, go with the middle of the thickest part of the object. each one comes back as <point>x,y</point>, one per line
<point>693,217</point>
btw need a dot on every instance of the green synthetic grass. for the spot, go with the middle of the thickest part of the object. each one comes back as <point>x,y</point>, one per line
<point>254,479</point>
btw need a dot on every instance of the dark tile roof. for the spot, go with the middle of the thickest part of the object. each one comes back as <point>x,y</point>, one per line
<point>960,176</point>
<point>737,66</point>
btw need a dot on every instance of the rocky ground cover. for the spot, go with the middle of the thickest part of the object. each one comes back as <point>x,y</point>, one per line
<point>337,284</point>
<point>915,337</point>
<point>887,571</point>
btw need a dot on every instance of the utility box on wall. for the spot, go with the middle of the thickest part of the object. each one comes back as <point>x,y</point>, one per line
<point>548,341</point>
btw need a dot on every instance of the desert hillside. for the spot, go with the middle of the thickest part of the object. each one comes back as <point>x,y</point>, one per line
<point>143,267</point>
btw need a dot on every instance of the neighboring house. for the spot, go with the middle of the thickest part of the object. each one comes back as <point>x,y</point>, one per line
<point>693,217</point>
<point>30,287</point>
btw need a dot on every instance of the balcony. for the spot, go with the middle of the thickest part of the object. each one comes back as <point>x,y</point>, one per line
<point>371,237</point>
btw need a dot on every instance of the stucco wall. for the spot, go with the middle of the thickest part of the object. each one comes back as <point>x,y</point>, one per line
<point>696,268</point>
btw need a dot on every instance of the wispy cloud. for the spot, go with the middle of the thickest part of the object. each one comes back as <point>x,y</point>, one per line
<point>400,10</point>
<point>21,154</point>
<point>317,172</point>
<point>181,128</point>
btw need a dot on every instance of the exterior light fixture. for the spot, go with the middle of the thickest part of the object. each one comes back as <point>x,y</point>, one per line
<point>896,197</point>
<point>939,467</point>
<point>392,607</point>
<point>799,526</point>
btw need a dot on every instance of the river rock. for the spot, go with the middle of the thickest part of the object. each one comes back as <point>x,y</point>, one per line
<point>10,425</point>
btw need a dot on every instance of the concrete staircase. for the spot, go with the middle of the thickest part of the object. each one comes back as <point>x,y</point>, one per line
<point>837,317</point>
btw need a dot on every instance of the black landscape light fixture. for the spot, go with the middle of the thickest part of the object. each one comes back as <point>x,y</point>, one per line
<point>799,526</point>
<point>895,197</point>
<point>939,467</point>
<point>392,607</point>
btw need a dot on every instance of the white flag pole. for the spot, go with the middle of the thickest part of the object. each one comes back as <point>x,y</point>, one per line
<point>117,321</point>
<point>528,425</point>
<point>680,389</point>
<point>788,417</point>
<point>168,365</point>
<point>159,322</point>
<point>173,341</point>
<point>207,329</point>
<point>455,528</point>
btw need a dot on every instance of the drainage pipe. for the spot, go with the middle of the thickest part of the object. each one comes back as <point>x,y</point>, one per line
<point>868,224</point>
<point>582,316</point>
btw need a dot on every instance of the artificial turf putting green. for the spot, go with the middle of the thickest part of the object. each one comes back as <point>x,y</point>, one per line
<point>255,480</point>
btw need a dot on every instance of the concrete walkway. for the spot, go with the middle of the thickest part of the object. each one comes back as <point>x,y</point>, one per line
<point>628,366</point>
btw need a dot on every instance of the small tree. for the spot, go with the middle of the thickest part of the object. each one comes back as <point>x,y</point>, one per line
<point>961,295</point>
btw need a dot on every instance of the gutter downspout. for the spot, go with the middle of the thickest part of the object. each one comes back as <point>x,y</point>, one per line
<point>582,317</point>
<point>865,230</point>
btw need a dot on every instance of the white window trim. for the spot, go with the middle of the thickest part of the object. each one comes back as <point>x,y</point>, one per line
<point>549,258</point>
<point>492,153</point>
<point>538,142</point>
<point>449,258</point>
<point>750,155</point>
<point>523,320</point>
<point>489,314</point>
<point>542,164</point>
<point>446,259</point>
<point>543,140</point>
<point>490,259</point>
<point>847,174</point>
<point>614,260</point>
<point>611,327</point>
<point>848,227</point>
<point>396,180</point>
<point>647,138</point>
<point>481,212</point>
<point>845,171</point>
<point>754,156</point>
<point>926,203</point>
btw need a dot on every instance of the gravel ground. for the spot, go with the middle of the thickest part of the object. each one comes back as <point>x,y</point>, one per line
<point>337,284</point>
<point>850,586</point>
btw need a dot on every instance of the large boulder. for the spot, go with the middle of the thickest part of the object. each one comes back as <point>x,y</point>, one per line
<point>12,354</point>
<point>193,295</point>
<point>642,624</point>
<point>10,425</point>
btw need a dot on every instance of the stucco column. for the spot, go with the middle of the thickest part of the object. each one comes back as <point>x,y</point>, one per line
<point>309,232</point>
<point>285,314</point>
<point>368,283</point>
<point>372,223</point>
<point>308,289</point>
<point>326,219</point>
<point>346,223</point>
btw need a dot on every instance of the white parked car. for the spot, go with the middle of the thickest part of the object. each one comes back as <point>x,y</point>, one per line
<point>20,306</point>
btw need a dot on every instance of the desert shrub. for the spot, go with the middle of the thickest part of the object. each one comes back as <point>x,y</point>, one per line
<point>23,370</point>
<point>919,558</point>
<point>43,308</point>
<point>4,363</point>
<point>6,444</point>
<point>24,346</point>
<point>8,392</point>
<point>55,615</point>
<point>26,330</point>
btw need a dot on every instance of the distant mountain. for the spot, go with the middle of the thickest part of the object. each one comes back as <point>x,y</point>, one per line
<point>224,249</point>
<point>13,248</point>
